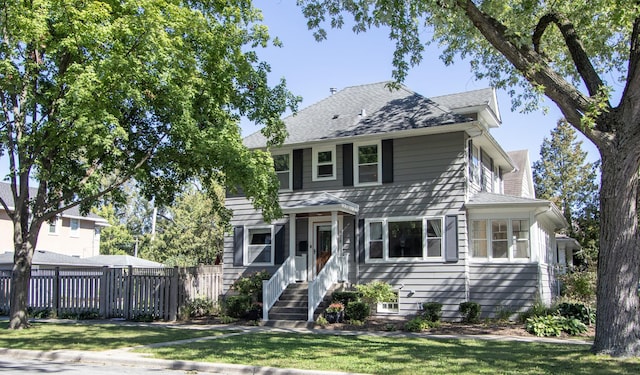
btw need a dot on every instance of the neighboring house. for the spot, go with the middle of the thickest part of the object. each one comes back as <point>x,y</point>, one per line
<point>50,260</point>
<point>393,186</point>
<point>69,234</point>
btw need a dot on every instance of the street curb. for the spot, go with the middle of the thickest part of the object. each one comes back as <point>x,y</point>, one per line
<point>128,359</point>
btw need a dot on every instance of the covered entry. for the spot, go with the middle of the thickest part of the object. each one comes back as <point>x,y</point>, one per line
<point>322,225</point>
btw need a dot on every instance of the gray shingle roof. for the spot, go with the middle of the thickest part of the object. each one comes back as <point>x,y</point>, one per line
<point>514,181</point>
<point>371,109</point>
<point>48,258</point>
<point>465,99</point>
<point>7,196</point>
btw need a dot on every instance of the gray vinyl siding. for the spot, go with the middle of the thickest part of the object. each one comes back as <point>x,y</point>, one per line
<point>506,285</point>
<point>429,180</point>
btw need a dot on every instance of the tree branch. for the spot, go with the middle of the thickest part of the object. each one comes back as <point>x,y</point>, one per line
<point>535,69</point>
<point>586,70</point>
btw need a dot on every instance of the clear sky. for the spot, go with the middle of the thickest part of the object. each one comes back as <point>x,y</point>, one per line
<point>347,59</point>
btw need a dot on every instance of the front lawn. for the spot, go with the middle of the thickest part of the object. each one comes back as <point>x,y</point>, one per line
<point>79,336</point>
<point>389,355</point>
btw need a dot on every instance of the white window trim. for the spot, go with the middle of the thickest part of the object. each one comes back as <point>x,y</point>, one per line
<point>510,242</point>
<point>385,240</point>
<point>245,245</point>
<point>315,163</point>
<point>74,232</point>
<point>290,168</point>
<point>356,165</point>
<point>57,221</point>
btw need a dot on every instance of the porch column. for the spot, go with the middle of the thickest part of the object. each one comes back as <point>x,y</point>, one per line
<point>292,235</point>
<point>334,232</point>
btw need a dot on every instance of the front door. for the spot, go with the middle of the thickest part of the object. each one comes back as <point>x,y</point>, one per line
<point>321,244</point>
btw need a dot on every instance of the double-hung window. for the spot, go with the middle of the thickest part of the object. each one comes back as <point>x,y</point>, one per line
<point>403,239</point>
<point>282,165</point>
<point>474,163</point>
<point>368,163</point>
<point>259,246</point>
<point>500,239</point>
<point>54,223</point>
<point>74,225</point>
<point>324,163</point>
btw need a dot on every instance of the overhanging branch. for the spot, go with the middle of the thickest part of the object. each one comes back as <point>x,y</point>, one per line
<point>576,49</point>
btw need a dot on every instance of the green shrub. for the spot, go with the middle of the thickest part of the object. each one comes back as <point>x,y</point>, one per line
<point>580,286</point>
<point>470,312</point>
<point>432,311</point>
<point>554,325</point>
<point>503,314</point>
<point>322,321</point>
<point>537,309</point>
<point>237,306</point>
<point>357,310</point>
<point>574,326</point>
<point>40,313</point>
<point>196,308</point>
<point>356,323</point>
<point>251,285</point>
<point>417,324</point>
<point>549,325</point>
<point>577,311</point>
<point>377,291</point>
<point>345,296</point>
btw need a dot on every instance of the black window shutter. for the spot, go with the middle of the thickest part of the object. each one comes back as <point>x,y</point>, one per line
<point>451,238</point>
<point>347,164</point>
<point>387,160</point>
<point>238,247</point>
<point>361,252</point>
<point>279,246</point>
<point>297,169</point>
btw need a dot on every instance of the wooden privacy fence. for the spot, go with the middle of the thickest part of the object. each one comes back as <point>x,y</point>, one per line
<point>128,293</point>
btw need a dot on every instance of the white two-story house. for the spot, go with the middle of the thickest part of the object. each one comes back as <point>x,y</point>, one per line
<point>380,184</point>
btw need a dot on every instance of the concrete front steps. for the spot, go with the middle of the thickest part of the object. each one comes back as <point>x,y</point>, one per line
<point>290,310</point>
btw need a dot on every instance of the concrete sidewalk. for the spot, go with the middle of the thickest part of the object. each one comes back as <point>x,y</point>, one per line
<point>125,356</point>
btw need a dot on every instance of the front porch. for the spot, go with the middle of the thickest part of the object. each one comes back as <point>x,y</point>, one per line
<point>321,241</point>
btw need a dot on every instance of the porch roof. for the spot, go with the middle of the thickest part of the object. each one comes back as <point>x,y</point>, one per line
<point>322,202</point>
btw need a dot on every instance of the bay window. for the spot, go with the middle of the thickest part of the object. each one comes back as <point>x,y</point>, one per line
<point>500,239</point>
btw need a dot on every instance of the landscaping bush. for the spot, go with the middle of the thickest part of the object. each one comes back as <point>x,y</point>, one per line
<point>554,325</point>
<point>237,306</point>
<point>196,308</point>
<point>251,285</point>
<point>357,310</point>
<point>376,291</point>
<point>580,286</point>
<point>503,313</point>
<point>432,311</point>
<point>537,309</point>
<point>549,325</point>
<point>577,311</point>
<point>417,324</point>
<point>470,312</point>
<point>345,296</point>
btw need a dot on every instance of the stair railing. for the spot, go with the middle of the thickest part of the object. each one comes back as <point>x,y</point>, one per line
<point>329,275</point>
<point>273,288</point>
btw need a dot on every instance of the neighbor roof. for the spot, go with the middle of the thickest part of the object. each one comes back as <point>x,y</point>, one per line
<point>371,109</point>
<point>73,212</point>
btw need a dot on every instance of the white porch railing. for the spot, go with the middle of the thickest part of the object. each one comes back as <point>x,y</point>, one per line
<point>330,274</point>
<point>273,288</point>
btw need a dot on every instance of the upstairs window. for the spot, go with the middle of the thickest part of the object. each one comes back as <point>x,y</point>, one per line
<point>474,163</point>
<point>282,165</point>
<point>53,225</point>
<point>368,166</point>
<point>324,163</point>
<point>74,226</point>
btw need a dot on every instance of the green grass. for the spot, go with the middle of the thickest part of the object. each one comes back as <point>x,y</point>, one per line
<point>94,337</point>
<point>386,355</point>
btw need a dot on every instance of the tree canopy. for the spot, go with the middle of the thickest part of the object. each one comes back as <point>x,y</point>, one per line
<point>95,93</point>
<point>576,53</point>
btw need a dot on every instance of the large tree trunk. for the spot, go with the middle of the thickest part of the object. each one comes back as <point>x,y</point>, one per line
<point>618,317</point>
<point>20,276</point>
